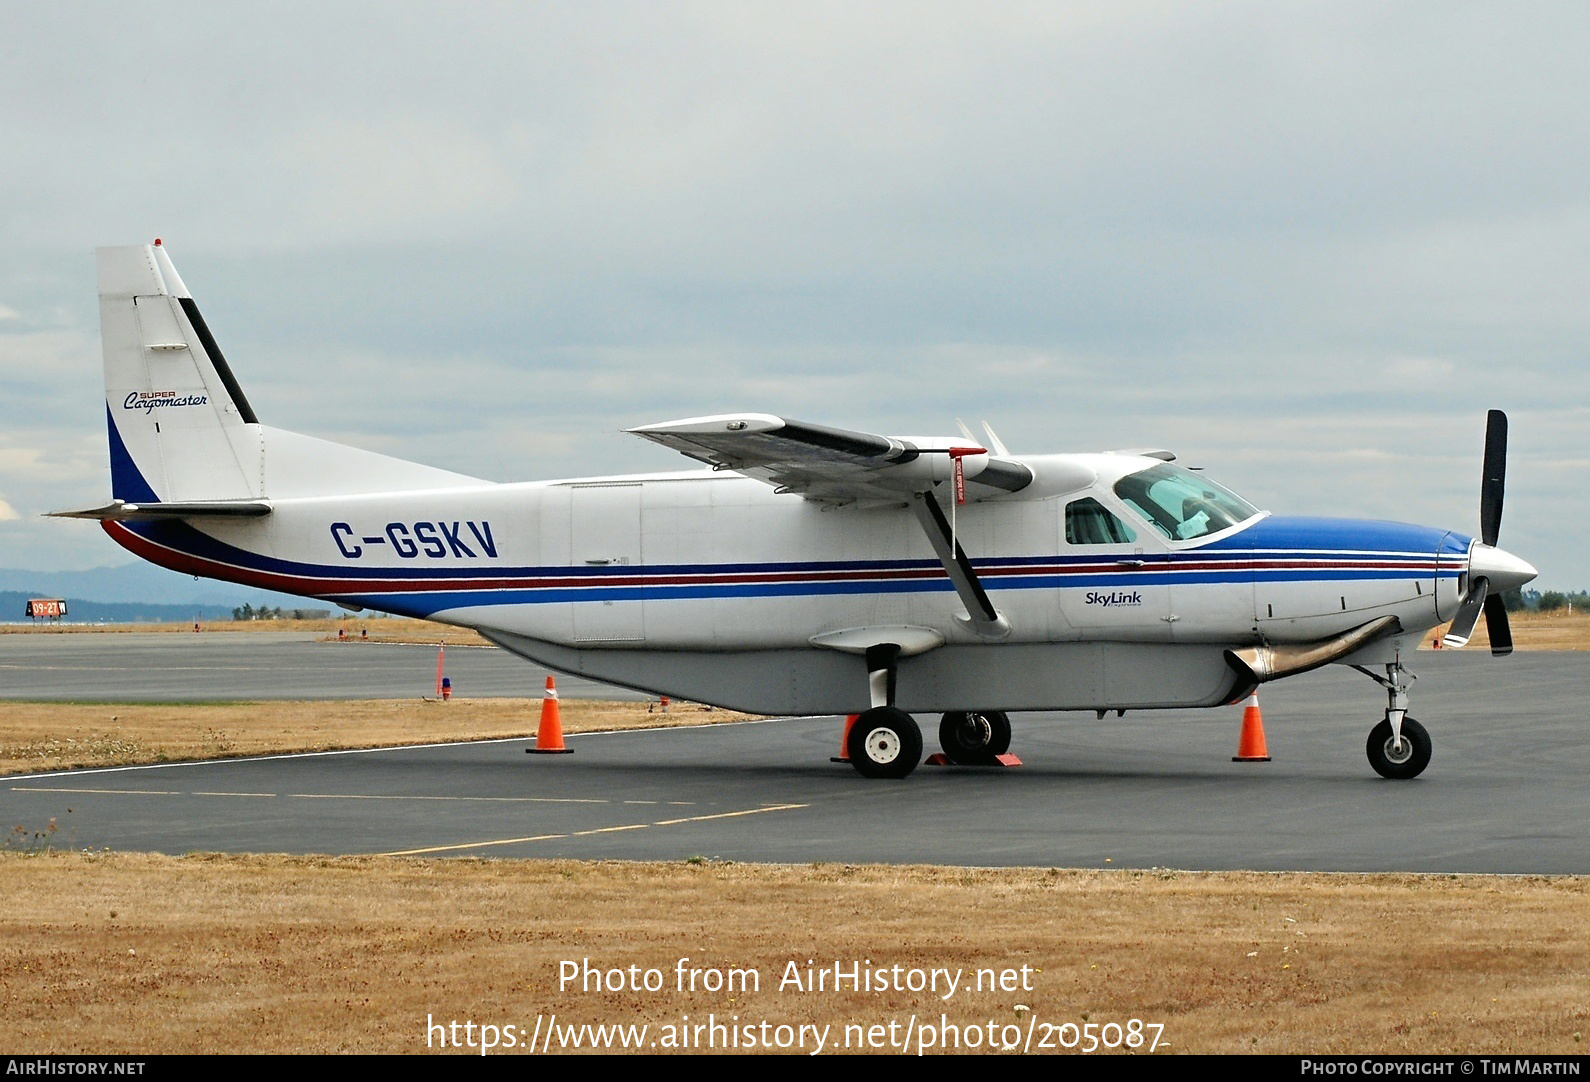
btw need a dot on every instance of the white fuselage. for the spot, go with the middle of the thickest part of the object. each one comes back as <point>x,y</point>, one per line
<point>712,586</point>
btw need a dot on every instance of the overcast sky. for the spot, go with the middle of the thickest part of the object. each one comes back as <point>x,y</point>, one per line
<point>1305,246</point>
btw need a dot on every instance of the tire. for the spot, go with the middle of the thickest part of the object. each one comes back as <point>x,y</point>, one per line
<point>1391,763</point>
<point>974,737</point>
<point>885,743</point>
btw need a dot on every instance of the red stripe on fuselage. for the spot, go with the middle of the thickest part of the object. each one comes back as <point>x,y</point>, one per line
<point>316,585</point>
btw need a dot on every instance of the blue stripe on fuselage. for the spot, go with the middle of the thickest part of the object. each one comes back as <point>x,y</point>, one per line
<point>1324,545</point>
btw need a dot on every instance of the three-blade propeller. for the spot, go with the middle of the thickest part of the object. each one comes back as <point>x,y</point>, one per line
<point>1493,484</point>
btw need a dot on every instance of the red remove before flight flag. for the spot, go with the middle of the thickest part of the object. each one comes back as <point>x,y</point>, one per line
<point>956,454</point>
<point>959,473</point>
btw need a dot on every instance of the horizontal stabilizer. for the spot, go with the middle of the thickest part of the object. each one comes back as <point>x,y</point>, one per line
<point>122,511</point>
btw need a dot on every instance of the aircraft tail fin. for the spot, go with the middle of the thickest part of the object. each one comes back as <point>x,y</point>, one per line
<point>180,427</point>
<point>181,430</point>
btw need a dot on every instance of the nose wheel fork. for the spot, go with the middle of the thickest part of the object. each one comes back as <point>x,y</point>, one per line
<point>1399,747</point>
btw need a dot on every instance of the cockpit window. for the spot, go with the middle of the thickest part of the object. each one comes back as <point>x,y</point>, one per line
<point>1181,504</point>
<point>1089,522</point>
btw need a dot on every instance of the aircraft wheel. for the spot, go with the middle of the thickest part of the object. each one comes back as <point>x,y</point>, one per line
<point>1407,761</point>
<point>974,737</point>
<point>885,743</point>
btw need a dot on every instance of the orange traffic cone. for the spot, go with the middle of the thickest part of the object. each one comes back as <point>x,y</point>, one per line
<point>1250,746</point>
<point>844,740</point>
<point>549,738</point>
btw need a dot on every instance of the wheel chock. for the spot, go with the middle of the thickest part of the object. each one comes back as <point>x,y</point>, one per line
<point>938,758</point>
<point>844,741</point>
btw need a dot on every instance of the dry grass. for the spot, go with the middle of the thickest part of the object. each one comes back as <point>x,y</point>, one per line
<point>412,631</point>
<point>384,629</point>
<point>1542,631</point>
<point>1531,631</point>
<point>53,736</point>
<point>139,953</point>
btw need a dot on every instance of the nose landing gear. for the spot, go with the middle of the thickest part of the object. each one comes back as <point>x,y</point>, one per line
<point>1399,747</point>
<point>1399,757</point>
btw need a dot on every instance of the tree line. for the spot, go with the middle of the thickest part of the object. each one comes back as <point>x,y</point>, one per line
<point>265,612</point>
<point>1547,601</point>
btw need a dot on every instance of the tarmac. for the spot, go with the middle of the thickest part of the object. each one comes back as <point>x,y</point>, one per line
<point>1505,791</point>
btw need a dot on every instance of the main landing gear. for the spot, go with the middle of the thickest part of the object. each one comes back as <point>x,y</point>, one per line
<point>1399,747</point>
<point>885,741</point>
<point>974,737</point>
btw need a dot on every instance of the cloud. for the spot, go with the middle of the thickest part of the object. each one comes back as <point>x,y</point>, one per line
<point>7,512</point>
<point>400,179</point>
<point>1306,244</point>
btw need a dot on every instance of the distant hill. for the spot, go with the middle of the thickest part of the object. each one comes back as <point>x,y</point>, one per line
<point>143,584</point>
<point>13,609</point>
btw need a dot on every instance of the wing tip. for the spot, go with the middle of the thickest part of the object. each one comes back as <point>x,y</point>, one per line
<point>722,422</point>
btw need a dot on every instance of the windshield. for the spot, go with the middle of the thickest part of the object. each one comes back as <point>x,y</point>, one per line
<point>1181,504</point>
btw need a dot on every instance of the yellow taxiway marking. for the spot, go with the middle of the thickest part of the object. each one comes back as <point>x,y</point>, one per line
<point>127,792</point>
<point>118,792</point>
<point>484,799</point>
<point>344,796</point>
<point>585,833</point>
<point>731,815</point>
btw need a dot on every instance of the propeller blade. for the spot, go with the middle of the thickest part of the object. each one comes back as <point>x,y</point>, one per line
<point>1494,477</point>
<point>1497,627</point>
<point>1468,614</point>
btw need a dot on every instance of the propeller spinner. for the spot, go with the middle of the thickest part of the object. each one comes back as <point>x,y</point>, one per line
<point>1492,571</point>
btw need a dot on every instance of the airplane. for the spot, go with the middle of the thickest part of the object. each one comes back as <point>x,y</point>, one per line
<point>800,569</point>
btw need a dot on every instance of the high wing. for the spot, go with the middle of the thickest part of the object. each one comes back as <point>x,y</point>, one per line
<point>834,465</point>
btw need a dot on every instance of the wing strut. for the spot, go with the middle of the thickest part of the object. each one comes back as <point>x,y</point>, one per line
<point>985,619</point>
